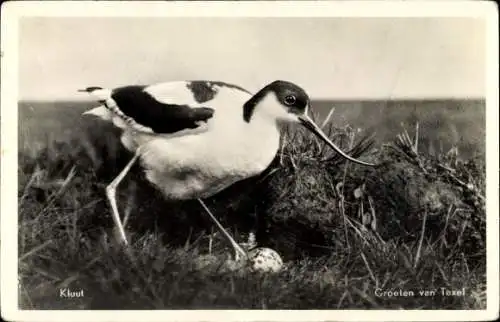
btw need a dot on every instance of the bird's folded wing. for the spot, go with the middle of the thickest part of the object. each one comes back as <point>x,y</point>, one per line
<point>171,113</point>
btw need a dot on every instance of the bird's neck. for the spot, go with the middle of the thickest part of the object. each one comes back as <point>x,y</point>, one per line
<point>264,133</point>
<point>251,107</point>
<point>265,107</point>
<point>257,114</point>
<point>261,138</point>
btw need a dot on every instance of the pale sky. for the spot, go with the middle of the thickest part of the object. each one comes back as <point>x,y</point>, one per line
<point>330,57</point>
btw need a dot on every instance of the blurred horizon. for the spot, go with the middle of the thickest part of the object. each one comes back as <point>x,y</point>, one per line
<point>443,123</point>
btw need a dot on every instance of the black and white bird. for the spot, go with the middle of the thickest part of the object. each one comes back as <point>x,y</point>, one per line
<point>196,138</point>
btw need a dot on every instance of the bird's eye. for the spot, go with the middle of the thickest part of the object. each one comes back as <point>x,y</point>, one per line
<point>290,100</point>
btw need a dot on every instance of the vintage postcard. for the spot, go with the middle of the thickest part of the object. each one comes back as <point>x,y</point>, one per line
<point>249,160</point>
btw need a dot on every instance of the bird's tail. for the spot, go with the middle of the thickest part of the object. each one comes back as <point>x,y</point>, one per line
<point>100,111</point>
<point>108,111</point>
<point>99,93</point>
<point>102,95</point>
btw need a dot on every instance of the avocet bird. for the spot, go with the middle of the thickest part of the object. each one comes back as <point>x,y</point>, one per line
<point>196,138</point>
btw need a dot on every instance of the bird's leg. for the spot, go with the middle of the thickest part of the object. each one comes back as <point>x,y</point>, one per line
<point>111,194</point>
<point>237,248</point>
<point>130,203</point>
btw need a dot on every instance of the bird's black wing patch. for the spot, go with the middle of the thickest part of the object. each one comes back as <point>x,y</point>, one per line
<point>136,103</point>
<point>204,91</point>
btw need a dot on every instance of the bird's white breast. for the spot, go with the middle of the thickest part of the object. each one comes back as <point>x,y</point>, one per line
<point>200,165</point>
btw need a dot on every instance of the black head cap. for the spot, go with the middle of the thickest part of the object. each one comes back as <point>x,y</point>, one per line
<point>291,96</point>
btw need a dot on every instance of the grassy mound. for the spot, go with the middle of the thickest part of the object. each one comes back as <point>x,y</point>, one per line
<point>346,232</point>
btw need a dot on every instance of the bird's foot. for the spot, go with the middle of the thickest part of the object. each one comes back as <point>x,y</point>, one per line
<point>240,256</point>
<point>120,240</point>
<point>232,266</point>
<point>237,263</point>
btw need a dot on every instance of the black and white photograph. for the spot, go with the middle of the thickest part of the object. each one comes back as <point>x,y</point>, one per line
<point>194,157</point>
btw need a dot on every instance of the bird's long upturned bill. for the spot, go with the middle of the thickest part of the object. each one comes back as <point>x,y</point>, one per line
<point>311,126</point>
